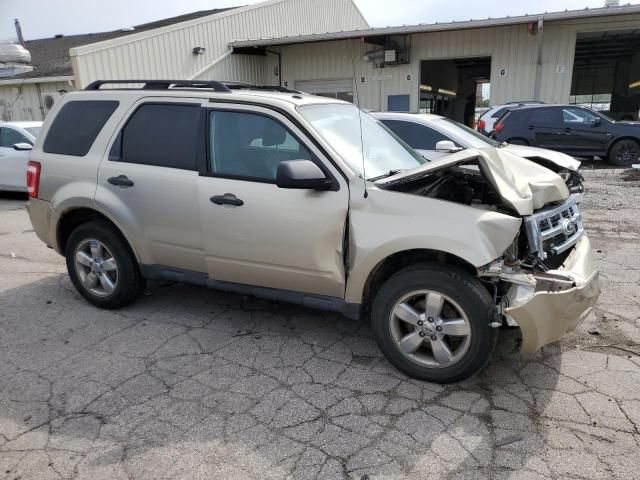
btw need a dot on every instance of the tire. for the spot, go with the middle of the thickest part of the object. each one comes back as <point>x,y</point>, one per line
<point>463,297</point>
<point>115,262</point>
<point>624,152</point>
<point>518,141</point>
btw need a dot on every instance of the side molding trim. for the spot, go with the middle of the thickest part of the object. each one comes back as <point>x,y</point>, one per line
<point>318,302</point>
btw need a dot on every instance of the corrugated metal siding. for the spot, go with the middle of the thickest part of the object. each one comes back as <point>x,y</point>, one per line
<point>167,52</point>
<point>511,47</point>
<point>21,102</point>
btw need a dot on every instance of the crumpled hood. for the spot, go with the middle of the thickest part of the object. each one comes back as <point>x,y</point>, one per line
<point>561,159</point>
<point>523,185</point>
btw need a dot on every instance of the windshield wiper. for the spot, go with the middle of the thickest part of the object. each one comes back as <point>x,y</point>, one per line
<point>390,173</point>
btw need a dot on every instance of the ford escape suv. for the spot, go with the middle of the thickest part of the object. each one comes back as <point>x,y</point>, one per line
<point>309,200</point>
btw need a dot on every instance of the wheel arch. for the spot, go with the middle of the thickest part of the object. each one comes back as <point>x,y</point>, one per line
<point>74,217</point>
<point>616,140</point>
<point>396,261</point>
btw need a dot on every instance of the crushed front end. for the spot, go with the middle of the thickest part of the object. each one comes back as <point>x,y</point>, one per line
<point>546,283</point>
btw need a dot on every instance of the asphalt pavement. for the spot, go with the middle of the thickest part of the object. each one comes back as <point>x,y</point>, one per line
<point>191,383</point>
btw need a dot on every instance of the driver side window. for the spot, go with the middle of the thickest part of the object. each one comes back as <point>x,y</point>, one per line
<point>9,137</point>
<point>250,146</point>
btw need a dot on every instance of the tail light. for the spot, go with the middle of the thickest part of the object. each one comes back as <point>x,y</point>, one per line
<point>499,127</point>
<point>481,124</point>
<point>33,178</point>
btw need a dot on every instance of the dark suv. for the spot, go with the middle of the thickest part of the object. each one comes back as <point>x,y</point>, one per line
<point>571,129</point>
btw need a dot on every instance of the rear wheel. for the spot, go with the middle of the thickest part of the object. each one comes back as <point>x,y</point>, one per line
<point>624,152</point>
<point>432,323</point>
<point>518,141</point>
<point>102,267</point>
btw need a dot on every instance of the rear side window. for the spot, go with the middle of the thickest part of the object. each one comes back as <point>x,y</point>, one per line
<point>498,113</point>
<point>163,135</point>
<point>77,125</point>
<point>419,137</point>
<point>545,117</point>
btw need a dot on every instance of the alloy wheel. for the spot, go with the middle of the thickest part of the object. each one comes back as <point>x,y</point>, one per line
<point>430,329</point>
<point>627,153</point>
<point>96,267</point>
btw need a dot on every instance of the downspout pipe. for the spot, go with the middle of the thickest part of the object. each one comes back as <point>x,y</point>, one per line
<point>537,86</point>
<point>279,64</point>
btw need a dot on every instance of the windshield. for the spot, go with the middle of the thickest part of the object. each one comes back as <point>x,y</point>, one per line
<point>339,125</point>
<point>33,131</point>
<point>468,137</point>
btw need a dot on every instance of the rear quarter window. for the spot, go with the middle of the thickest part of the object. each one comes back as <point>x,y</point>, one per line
<point>77,125</point>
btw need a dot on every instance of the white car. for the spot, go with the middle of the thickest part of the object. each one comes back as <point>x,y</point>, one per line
<point>16,142</point>
<point>435,137</point>
<point>488,119</point>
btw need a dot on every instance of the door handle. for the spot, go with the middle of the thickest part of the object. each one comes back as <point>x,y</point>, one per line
<point>227,199</point>
<point>121,181</point>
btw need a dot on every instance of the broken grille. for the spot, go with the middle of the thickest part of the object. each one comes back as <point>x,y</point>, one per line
<point>555,230</point>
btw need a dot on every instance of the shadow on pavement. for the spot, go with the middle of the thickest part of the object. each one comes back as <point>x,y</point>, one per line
<point>190,382</point>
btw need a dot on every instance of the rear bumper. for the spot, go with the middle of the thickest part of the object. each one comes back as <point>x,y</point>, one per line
<point>555,302</point>
<point>44,220</point>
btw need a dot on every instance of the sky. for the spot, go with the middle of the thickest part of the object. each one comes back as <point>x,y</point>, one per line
<point>45,18</point>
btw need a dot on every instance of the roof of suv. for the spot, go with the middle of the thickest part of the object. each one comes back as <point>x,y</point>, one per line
<point>290,99</point>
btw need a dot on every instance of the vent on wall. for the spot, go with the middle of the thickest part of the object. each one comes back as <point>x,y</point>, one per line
<point>392,50</point>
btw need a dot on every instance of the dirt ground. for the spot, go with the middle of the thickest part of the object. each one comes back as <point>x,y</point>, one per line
<point>190,383</point>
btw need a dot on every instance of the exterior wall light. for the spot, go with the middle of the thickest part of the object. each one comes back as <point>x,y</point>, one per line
<point>198,50</point>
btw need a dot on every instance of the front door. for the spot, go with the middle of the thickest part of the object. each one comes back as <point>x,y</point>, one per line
<point>586,131</point>
<point>149,178</point>
<point>256,233</point>
<point>13,163</point>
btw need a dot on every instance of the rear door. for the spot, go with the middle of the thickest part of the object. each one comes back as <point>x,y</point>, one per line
<point>256,233</point>
<point>420,137</point>
<point>546,128</point>
<point>148,181</point>
<point>13,163</point>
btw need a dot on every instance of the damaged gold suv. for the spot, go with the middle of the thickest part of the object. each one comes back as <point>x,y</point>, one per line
<point>304,199</point>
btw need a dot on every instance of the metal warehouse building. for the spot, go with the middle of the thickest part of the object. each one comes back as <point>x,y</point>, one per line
<point>586,56</point>
<point>590,56</point>
<point>190,46</point>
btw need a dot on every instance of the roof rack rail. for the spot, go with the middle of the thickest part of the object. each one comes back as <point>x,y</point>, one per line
<point>163,84</point>
<point>266,88</point>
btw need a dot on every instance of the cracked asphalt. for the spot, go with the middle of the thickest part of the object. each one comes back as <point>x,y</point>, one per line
<point>190,383</point>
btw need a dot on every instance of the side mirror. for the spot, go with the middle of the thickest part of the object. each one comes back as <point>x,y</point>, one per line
<point>596,122</point>
<point>301,174</point>
<point>23,147</point>
<point>447,146</point>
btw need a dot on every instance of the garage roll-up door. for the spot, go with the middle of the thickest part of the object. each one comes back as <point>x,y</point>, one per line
<point>337,85</point>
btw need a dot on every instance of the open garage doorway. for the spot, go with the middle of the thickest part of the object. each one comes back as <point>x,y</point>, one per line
<point>450,87</point>
<point>606,73</point>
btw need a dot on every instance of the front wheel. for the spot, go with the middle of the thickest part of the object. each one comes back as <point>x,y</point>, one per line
<point>432,323</point>
<point>624,152</point>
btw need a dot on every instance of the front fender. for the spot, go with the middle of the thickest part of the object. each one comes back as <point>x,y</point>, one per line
<point>389,222</point>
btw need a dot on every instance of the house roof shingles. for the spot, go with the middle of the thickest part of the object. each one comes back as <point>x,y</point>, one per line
<point>50,56</point>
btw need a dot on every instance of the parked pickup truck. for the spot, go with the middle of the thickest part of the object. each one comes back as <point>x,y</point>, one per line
<point>309,200</point>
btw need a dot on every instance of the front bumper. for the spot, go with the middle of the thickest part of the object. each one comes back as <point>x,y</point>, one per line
<point>556,302</point>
